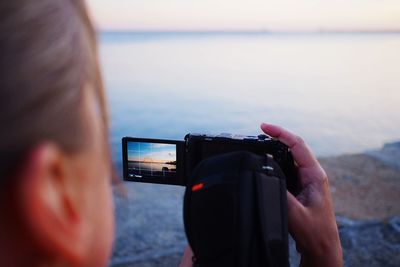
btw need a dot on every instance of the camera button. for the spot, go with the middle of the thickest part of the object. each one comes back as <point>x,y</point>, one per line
<point>262,136</point>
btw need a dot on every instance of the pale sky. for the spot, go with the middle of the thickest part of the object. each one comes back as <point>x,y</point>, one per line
<point>277,15</point>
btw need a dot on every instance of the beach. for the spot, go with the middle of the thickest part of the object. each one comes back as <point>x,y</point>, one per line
<point>365,189</point>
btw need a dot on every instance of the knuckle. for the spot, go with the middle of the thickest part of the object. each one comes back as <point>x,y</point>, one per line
<point>320,175</point>
<point>299,140</point>
<point>324,176</point>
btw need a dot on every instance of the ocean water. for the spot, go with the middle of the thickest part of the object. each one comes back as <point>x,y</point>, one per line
<point>340,92</point>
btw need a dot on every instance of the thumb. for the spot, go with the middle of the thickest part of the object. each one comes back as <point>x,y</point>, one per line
<point>296,212</point>
<point>186,260</point>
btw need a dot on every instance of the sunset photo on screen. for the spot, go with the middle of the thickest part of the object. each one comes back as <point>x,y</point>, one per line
<point>151,159</point>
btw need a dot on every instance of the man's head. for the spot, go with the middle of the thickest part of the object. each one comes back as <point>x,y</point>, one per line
<point>55,196</point>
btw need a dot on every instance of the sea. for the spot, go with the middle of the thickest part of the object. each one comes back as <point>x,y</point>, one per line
<point>339,91</point>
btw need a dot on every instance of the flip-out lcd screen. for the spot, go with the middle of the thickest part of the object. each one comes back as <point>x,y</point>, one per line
<point>153,160</point>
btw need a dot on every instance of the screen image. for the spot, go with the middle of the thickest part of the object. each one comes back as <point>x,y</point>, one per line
<point>156,160</point>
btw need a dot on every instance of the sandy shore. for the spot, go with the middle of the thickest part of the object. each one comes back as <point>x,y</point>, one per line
<point>365,187</point>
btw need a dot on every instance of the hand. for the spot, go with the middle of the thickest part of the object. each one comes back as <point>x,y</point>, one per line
<point>311,217</point>
<point>186,260</point>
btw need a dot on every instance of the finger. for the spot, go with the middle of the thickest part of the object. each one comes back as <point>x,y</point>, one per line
<point>300,151</point>
<point>295,214</point>
<point>186,260</point>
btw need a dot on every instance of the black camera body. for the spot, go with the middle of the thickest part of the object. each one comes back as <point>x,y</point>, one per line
<point>172,162</point>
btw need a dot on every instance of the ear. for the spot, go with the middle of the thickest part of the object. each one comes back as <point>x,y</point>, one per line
<point>49,208</point>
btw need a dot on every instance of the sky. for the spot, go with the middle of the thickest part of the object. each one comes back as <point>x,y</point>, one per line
<point>267,15</point>
<point>151,152</point>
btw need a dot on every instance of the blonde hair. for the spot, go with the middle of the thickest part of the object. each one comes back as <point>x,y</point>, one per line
<point>48,54</point>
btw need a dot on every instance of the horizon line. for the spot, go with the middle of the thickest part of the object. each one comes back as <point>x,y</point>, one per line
<point>238,31</point>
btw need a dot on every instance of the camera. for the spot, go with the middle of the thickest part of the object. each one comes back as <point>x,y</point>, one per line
<point>172,161</point>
